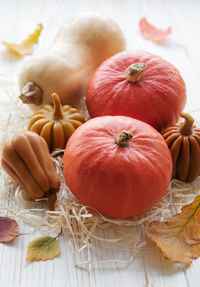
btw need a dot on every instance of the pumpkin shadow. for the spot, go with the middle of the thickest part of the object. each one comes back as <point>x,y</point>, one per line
<point>155,263</point>
<point>148,261</point>
<point>151,262</point>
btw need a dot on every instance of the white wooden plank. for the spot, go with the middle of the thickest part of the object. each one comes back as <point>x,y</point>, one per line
<point>17,20</point>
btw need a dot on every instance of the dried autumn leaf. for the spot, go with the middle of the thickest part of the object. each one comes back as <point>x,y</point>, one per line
<point>8,229</point>
<point>150,32</point>
<point>42,248</point>
<point>26,47</point>
<point>179,237</point>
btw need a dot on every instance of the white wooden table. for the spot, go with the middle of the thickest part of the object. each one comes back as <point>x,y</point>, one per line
<point>17,19</point>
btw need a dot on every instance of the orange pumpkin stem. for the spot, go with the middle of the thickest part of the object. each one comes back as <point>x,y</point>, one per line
<point>123,138</point>
<point>135,71</point>
<point>57,113</point>
<point>31,94</point>
<point>186,127</point>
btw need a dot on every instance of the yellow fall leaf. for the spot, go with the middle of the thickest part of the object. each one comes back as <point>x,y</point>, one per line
<point>179,237</point>
<point>26,47</point>
<point>43,248</point>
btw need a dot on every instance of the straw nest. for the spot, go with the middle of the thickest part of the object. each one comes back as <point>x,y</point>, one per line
<point>81,226</point>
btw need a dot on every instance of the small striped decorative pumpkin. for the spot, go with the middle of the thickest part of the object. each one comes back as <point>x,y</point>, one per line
<point>183,140</point>
<point>56,123</point>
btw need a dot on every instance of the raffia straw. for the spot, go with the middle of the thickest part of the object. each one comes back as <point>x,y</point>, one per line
<point>82,225</point>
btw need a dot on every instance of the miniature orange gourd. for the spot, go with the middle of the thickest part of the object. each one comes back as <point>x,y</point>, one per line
<point>25,157</point>
<point>183,140</point>
<point>56,123</point>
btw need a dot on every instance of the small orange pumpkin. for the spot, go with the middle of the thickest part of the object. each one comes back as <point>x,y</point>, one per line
<point>56,123</point>
<point>26,159</point>
<point>183,140</point>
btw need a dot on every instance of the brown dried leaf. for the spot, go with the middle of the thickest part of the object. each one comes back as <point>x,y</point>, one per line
<point>25,47</point>
<point>179,237</point>
<point>8,229</point>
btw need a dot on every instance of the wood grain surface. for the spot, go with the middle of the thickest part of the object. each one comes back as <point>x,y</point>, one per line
<point>18,18</point>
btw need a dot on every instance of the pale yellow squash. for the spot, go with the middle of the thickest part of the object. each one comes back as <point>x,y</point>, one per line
<point>79,47</point>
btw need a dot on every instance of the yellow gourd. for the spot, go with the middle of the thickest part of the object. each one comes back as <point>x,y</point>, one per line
<point>79,47</point>
<point>25,157</point>
<point>56,123</point>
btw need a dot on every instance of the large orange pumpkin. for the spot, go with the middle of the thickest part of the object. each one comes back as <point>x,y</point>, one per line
<point>137,84</point>
<point>118,165</point>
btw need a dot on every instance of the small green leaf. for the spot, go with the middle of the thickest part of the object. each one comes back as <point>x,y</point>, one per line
<point>42,248</point>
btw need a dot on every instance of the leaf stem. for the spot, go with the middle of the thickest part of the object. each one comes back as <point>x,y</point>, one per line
<point>59,234</point>
<point>186,223</point>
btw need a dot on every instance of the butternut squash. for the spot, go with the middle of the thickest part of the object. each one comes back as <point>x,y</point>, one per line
<point>26,158</point>
<point>79,47</point>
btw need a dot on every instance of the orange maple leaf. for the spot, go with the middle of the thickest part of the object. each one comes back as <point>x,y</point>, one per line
<point>179,237</point>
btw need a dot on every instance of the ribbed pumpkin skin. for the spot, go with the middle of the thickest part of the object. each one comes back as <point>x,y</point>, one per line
<point>25,157</point>
<point>157,99</point>
<point>118,182</point>
<point>56,123</point>
<point>185,152</point>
